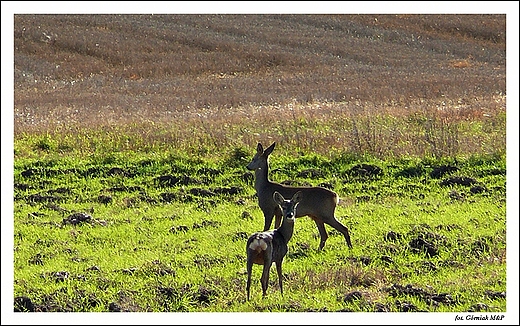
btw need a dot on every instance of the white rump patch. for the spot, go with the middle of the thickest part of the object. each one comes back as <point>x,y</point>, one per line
<point>258,244</point>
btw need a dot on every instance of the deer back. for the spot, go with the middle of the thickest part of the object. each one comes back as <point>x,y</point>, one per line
<point>316,201</point>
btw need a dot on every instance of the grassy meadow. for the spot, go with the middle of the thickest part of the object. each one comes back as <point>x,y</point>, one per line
<point>132,133</point>
<point>161,232</point>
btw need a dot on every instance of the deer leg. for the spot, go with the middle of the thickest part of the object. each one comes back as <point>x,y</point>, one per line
<point>265,277</point>
<point>341,228</point>
<point>279,270</point>
<point>249,270</point>
<point>268,217</point>
<point>323,232</point>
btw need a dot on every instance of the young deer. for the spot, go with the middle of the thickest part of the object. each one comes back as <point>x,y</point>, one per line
<point>318,203</point>
<point>266,247</point>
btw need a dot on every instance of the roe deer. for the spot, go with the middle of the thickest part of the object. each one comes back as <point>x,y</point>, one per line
<point>268,247</point>
<point>317,202</point>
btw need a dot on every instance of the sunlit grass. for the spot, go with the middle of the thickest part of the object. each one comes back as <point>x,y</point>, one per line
<point>145,250</point>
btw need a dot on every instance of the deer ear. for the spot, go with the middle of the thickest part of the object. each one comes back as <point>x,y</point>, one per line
<point>278,198</point>
<point>259,148</point>
<point>297,197</point>
<point>269,149</point>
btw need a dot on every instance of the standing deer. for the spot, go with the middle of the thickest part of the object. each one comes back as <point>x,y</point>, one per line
<point>317,202</point>
<point>268,247</point>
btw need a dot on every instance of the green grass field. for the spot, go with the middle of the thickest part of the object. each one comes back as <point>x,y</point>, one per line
<point>165,232</point>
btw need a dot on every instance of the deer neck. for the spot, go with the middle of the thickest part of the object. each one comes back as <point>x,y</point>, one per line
<point>286,230</point>
<point>261,177</point>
